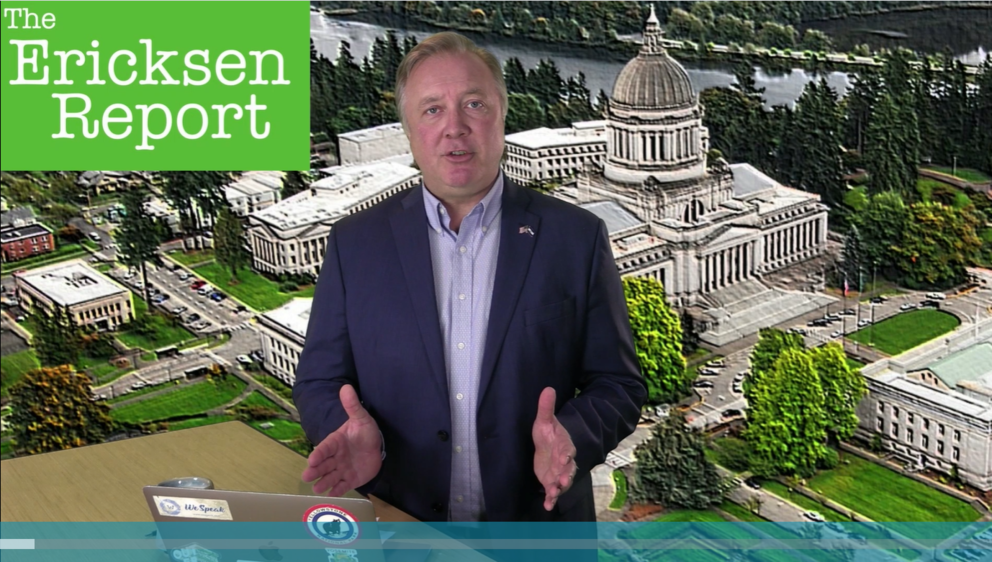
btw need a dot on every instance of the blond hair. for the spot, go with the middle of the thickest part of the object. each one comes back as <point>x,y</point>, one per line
<point>446,42</point>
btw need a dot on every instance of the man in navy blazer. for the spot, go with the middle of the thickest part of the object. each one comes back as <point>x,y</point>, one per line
<point>385,379</point>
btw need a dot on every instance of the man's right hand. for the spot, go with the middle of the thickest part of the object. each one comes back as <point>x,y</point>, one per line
<point>348,457</point>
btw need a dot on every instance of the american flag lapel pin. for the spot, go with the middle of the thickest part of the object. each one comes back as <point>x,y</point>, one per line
<point>526,229</point>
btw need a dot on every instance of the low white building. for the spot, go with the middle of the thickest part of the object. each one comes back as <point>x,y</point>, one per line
<point>283,332</point>
<point>290,237</point>
<point>546,154</point>
<point>90,297</point>
<point>254,191</point>
<point>372,144</point>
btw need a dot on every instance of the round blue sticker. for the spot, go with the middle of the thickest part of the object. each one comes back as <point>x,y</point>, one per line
<point>332,524</point>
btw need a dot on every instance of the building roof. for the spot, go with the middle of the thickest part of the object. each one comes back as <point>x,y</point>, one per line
<point>293,316</point>
<point>952,400</point>
<point>617,218</point>
<point>374,133</point>
<point>748,180</point>
<point>254,183</point>
<point>971,364</point>
<point>586,132</point>
<point>71,283</point>
<point>653,80</point>
<point>19,233</point>
<point>18,216</point>
<point>333,197</point>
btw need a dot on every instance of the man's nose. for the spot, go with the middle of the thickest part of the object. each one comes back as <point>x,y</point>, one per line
<point>456,124</point>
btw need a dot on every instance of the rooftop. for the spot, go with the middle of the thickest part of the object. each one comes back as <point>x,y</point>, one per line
<point>70,283</point>
<point>17,233</point>
<point>333,197</point>
<point>254,183</point>
<point>584,132</point>
<point>294,316</point>
<point>951,400</point>
<point>971,364</point>
<point>748,180</point>
<point>18,216</point>
<point>373,133</point>
<point>617,218</point>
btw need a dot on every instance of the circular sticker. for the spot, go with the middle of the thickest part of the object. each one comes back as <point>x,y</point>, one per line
<point>332,524</point>
<point>169,507</point>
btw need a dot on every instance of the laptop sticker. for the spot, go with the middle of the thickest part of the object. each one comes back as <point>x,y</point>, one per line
<point>332,524</point>
<point>341,555</point>
<point>193,508</point>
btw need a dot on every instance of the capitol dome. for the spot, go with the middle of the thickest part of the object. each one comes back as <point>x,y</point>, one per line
<point>653,79</point>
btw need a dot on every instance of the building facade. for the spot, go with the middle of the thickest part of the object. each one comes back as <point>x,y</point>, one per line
<point>373,144</point>
<point>91,298</point>
<point>290,238</point>
<point>554,154</point>
<point>17,243</point>
<point>254,191</point>
<point>283,332</point>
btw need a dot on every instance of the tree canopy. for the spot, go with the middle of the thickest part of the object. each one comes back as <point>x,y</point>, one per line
<point>658,340</point>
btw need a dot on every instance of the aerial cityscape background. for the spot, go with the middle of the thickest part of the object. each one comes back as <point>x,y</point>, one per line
<point>799,200</point>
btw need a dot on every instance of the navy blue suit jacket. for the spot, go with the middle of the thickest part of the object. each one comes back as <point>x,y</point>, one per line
<point>558,318</point>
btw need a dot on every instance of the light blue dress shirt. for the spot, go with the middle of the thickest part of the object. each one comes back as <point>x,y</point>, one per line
<point>464,264</point>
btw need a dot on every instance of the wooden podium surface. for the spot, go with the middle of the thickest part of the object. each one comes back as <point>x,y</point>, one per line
<point>104,482</point>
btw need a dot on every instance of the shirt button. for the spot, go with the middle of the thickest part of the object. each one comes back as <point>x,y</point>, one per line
<point>460,499</point>
<point>461,297</point>
<point>463,249</point>
<point>461,346</point>
<point>458,448</point>
<point>485,228</point>
<point>459,396</point>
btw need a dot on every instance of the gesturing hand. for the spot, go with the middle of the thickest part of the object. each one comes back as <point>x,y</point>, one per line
<point>348,457</point>
<point>554,455</point>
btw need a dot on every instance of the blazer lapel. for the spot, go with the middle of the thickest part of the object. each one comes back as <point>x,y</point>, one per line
<point>519,230</point>
<point>409,226</point>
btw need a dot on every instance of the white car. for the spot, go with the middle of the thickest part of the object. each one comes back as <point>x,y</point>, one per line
<point>936,296</point>
<point>836,334</point>
<point>863,322</point>
<point>205,290</point>
<point>908,306</point>
<point>814,516</point>
<point>244,359</point>
<point>183,276</point>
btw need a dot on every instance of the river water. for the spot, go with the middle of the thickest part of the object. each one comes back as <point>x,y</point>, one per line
<point>780,87</point>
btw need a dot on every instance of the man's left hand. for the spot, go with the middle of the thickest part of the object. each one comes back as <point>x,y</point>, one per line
<point>554,455</point>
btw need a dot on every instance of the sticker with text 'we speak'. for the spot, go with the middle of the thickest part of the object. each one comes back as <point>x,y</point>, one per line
<point>193,508</point>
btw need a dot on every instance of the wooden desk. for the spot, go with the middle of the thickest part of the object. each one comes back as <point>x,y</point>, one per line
<point>103,482</point>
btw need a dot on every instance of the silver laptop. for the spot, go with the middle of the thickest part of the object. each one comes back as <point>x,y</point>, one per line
<point>329,529</point>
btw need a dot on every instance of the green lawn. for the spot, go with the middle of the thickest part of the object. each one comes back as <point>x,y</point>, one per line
<point>6,448</point>
<point>853,363</point>
<point>184,401</point>
<point>252,289</point>
<point>166,333</point>
<point>256,398</point>
<point>802,501</point>
<point>274,384</point>
<point>906,330</point>
<point>192,258</point>
<point>740,512</point>
<point>620,479</point>
<point>16,365</point>
<point>62,253</point>
<point>691,516</point>
<point>883,495</point>
<point>140,392</point>
<point>281,430</point>
<point>967,174</point>
<point>106,376</point>
<point>198,422</point>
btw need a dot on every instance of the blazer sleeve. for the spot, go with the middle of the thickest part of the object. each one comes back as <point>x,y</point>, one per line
<point>611,388</point>
<point>326,363</point>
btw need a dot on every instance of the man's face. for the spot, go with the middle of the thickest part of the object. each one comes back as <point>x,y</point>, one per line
<point>455,124</point>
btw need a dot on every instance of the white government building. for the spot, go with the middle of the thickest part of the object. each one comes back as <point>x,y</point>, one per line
<point>283,331</point>
<point>92,298</point>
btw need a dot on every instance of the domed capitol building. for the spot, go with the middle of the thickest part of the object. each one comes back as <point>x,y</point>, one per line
<point>707,230</point>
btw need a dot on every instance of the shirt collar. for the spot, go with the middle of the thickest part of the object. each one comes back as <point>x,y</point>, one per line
<point>491,205</point>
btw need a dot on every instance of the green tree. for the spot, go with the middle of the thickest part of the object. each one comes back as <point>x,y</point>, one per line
<point>294,182</point>
<point>786,419</point>
<point>524,113</point>
<point>58,340</point>
<point>771,343</point>
<point>137,235</point>
<point>672,469</point>
<point>816,40</point>
<point>53,410</point>
<point>843,388</point>
<point>683,25</point>
<point>658,339</point>
<point>230,242</point>
<point>881,224</point>
<point>854,257</point>
<point>515,76</point>
<point>938,242</point>
<point>814,137</point>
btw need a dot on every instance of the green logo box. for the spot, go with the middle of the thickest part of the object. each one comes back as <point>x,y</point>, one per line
<point>138,85</point>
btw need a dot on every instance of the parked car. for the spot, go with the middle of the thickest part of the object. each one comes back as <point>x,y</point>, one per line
<point>703,384</point>
<point>192,318</point>
<point>936,296</point>
<point>740,376</point>
<point>217,296</point>
<point>908,306</point>
<point>848,312</point>
<point>706,371</point>
<point>244,360</point>
<point>814,516</point>
<point>863,322</point>
<point>716,364</point>
<point>183,276</point>
<point>836,334</point>
<point>179,310</point>
<point>753,483</point>
<point>196,285</point>
<point>138,385</point>
<point>94,236</point>
<point>204,290</point>
<point>257,355</point>
<point>737,387</point>
<point>730,413</point>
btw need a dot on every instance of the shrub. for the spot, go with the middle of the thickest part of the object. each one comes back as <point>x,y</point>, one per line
<point>830,460</point>
<point>288,287</point>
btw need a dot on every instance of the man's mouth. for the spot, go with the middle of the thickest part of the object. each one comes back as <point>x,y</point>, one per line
<point>458,153</point>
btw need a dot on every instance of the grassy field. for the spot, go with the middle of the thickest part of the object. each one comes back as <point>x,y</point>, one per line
<point>62,253</point>
<point>281,430</point>
<point>198,422</point>
<point>690,516</point>
<point>252,289</point>
<point>165,333</point>
<point>740,512</point>
<point>967,174</point>
<point>256,398</point>
<point>140,392</point>
<point>620,479</point>
<point>802,501</point>
<point>192,258</point>
<point>184,401</point>
<point>883,495</point>
<point>906,330</point>
<point>16,365</point>
<point>274,384</point>
<point>853,363</point>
